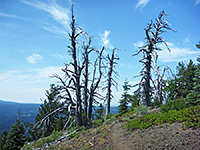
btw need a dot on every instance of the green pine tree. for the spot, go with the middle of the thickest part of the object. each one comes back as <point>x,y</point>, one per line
<point>183,83</point>
<point>99,112</point>
<point>60,124</point>
<point>3,139</point>
<point>16,137</point>
<point>194,96</point>
<point>51,103</point>
<point>198,46</point>
<point>125,98</point>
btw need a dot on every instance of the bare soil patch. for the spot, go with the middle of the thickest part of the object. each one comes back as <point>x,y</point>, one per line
<point>167,136</point>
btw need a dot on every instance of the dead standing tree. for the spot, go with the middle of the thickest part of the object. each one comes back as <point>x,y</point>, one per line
<point>153,37</point>
<point>86,75</point>
<point>96,79</point>
<point>160,83</point>
<point>76,71</point>
<point>74,88</point>
<point>110,80</point>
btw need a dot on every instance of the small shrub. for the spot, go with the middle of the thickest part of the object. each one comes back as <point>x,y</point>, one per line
<point>27,147</point>
<point>156,103</point>
<point>98,130</point>
<point>191,117</point>
<point>125,119</point>
<point>48,139</point>
<point>132,117</point>
<point>116,115</point>
<point>173,105</point>
<point>109,118</point>
<point>51,147</point>
<point>97,122</point>
<point>141,110</point>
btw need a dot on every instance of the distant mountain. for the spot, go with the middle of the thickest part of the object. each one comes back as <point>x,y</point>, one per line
<point>9,112</point>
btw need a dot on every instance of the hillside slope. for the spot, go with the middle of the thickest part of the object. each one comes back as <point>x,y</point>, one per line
<point>113,136</point>
<point>168,136</point>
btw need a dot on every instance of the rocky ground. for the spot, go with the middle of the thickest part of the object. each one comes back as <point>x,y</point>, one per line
<point>114,137</point>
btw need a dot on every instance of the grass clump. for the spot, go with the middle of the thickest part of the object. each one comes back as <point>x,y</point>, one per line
<point>48,139</point>
<point>191,117</point>
<point>141,110</point>
<point>108,118</point>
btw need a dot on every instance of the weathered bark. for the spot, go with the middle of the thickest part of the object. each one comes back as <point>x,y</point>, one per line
<point>87,51</point>
<point>75,82</point>
<point>110,80</point>
<point>86,78</point>
<point>149,51</point>
<point>95,82</point>
<point>147,76</point>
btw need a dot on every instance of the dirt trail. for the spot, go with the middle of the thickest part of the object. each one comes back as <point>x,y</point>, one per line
<point>119,140</point>
<point>167,136</point>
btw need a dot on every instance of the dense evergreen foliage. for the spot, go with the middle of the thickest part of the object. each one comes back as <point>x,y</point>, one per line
<point>99,112</point>
<point>16,137</point>
<point>182,83</point>
<point>55,121</point>
<point>198,46</point>
<point>125,98</point>
<point>3,139</point>
<point>184,89</point>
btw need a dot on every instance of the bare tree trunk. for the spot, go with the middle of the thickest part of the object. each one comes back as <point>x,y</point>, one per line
<point>109,88</point>
<point>95,83</point>
<point>77,73</point>
<point>86,76</point>
<point>147,78</point>
<point>90,107</point>
<point>110,80</point>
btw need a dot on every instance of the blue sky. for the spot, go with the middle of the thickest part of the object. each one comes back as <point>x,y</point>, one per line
<point>33,41</point>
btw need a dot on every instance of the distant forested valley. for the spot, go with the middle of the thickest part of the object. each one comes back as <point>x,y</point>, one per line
<point>9,112</point>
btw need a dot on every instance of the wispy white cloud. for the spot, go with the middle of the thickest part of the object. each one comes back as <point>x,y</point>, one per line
<point>27,85</point>
<point>187,40</point>
<point>57,13</point>
<point>2,14</point>
<point>105,39</point>
<point>197,2</point>
<point>56,30</point>
<point>34,58</point>
<point>138,44</point>
<point>142,3</point>
<point>176,54</point>
<point>59,56</point>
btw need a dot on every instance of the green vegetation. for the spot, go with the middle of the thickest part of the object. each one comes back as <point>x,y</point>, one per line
<point>125,98</point>
<point>3,139</point>
<point>99,112</point>
<point>184,90</point>
<point>182,84</point>
<point>48,139</point>
<point>69,107</point>
<point>55,121</point>
<point>190,115</point>
<point>16,138</point>
<point>141,110</point>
